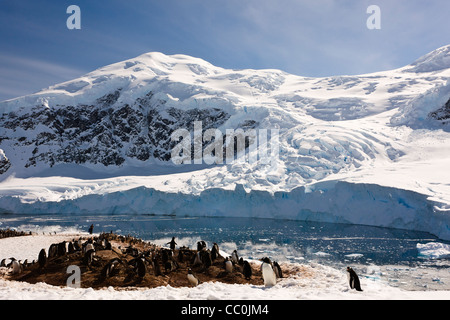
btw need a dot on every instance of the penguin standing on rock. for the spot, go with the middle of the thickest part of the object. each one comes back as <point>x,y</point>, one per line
<point>268,274</point>
<point>277,269</point>
<point>235,257</point>
<point>215,251</point>
<point>192,278</point>
<point>110,267</point>
<point>141,269</point>
<point>42,259</point>
<point>15,266</point>
<point>247,270</point>
<point>172,243</point>
<point>353,279</point>
<point>228,265</point>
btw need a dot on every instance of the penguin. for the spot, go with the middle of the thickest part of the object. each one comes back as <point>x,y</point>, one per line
<point>89,257</point>
<point>76,245</point>
<point>180,256</point>
<point>156,266</point>
<point>197,259</point>
<point>91,229</point>
<point>89,246</point>
<point>205,257</point>
<point>61,248</point>
<point>3,263</point>
<point>235,257</point>
<point>53,250</point>
<point>353,279</point>
<point>70,248</point>
<point>42,259</point>
<point>247,270</point>
<point>109,268</point>
<point>192,278</point>
<point>228,265</point>
<point>169,266</point>
<point>277,269</point>
<point>172,243</point>
<point>141,268</point>
<point>201,245</point>
<point>268,274</point>
<point>215,251</point>
<point>108,245</point>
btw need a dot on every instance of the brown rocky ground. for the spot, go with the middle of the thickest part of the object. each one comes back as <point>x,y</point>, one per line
<point>127,249</point>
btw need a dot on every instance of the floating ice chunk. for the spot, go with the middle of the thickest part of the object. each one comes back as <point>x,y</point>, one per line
<point>434,250</point>
<point>322,254</point>
<point>354,255</point>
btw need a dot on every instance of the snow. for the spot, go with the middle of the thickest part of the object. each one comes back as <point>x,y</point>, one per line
<point>312,282</point>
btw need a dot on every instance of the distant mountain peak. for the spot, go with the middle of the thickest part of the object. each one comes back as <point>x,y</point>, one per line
<point>436,60</point>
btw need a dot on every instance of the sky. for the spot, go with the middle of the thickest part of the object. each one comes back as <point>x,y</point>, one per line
<point>314,38</point>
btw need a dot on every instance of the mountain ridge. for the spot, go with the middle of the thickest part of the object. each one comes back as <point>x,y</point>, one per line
<point>122,116</point>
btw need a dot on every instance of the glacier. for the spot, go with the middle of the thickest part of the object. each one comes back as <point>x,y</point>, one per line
<point>369,149</point>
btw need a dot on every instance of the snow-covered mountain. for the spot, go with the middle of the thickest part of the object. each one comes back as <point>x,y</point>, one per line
<point>110,131</point>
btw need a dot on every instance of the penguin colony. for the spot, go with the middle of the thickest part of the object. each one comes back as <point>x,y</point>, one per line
<point>124,261</point>
<point>12,233</point>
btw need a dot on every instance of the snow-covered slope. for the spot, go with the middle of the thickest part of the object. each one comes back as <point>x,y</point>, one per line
<point>108,132</point>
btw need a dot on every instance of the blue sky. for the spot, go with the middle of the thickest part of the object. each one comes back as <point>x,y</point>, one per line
<point>305,37</point>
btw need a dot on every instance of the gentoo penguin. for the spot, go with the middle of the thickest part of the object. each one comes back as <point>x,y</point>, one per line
<point>62,249</point>
<point>198,258</point>
<point>108,245</point>
<point>15,266</point>
<point>53,250</point>
<point>193,280</point>
<point>268,274</point>
<point>205,257</point>
<point>89,246</point>
<point>277,269</point>
<point>42,259</point>
<point>247,270</point>
<point>353,279</point>
<point>3,263</point>
<point>172,243</point>
<point>215,251</point>
<point>89,257</point>
<point>109,268</point>
<point>141,268</point>
<point>234,257</point>
<point>228,265</point>
<point>70,248</point>
<point>156,267</point>
<point>91,229</point>
<point>201,245</point>
<point>76,245</point>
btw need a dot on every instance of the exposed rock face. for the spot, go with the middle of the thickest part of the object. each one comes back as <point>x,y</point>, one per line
<point>442,114</point>
<point>102,133</point>
<point>5,164</point>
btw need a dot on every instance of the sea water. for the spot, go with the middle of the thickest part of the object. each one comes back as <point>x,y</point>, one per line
<point>383,254</point>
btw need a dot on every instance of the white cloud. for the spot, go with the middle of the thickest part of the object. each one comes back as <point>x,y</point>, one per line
<point>20,75</point>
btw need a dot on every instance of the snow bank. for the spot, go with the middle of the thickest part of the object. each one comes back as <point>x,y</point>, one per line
<point>416,113</point>
<point>332,285</point>
<point>434,61</point>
